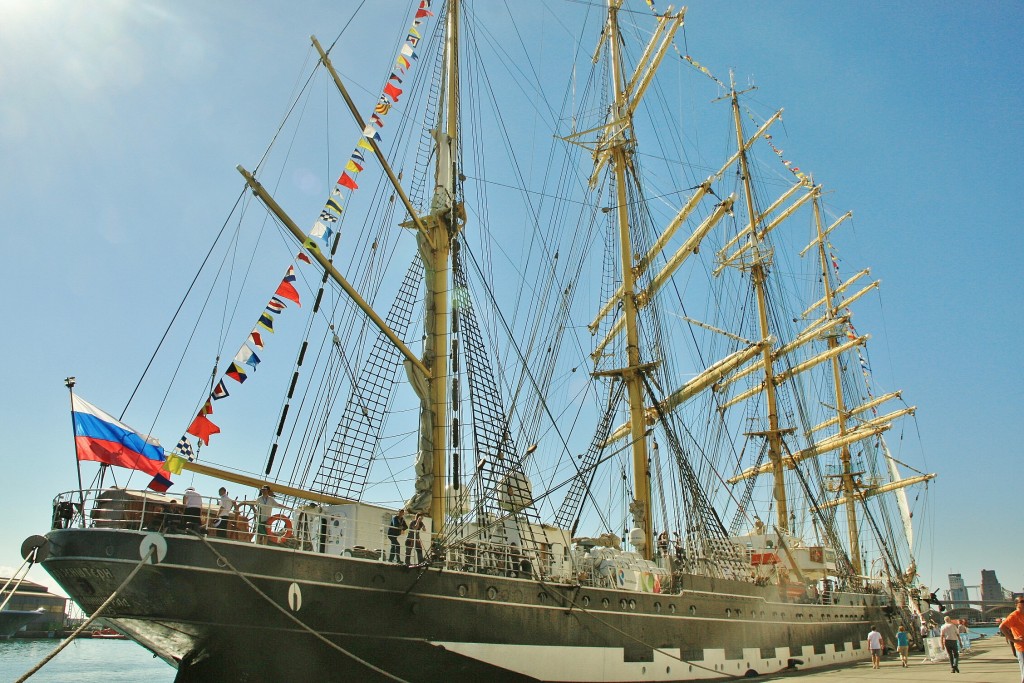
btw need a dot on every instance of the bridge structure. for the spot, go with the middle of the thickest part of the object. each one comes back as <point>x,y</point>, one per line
<point>981,610</point>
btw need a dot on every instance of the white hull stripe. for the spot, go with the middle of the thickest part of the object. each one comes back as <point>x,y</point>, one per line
<point>558,663</point>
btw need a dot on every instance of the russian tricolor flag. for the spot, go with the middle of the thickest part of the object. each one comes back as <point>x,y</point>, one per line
<point>102,438</point>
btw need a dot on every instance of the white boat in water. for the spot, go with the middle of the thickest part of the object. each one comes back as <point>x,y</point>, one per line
<point>618,376</point>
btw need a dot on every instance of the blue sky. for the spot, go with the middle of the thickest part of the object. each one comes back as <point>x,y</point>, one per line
<point>121,124</point>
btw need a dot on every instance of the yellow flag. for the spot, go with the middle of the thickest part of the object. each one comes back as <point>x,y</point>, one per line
<point>174,463</point>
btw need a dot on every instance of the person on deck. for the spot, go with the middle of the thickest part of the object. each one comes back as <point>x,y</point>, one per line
<point>395,529</point>
<point>265,505</point>
<point>193,504</point>
<point>227,505</point>
<point>875,644</point>
<point>663,543</point>
<point>951,641</point>
<point>412,539</point>
<point>903,645</point>
<point>1013,628</point>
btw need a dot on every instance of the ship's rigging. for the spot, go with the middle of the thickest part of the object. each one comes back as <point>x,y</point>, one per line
<point>490,430</point>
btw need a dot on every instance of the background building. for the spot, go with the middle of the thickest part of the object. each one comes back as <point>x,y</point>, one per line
<point>32,596</point>
<point>957,592</point>
<point>990,587</point>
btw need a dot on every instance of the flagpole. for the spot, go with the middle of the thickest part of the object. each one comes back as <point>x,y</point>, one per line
<point>69,382</point>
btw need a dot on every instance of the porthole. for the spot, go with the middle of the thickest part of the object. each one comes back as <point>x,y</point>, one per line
<point>671,608</point>
<point>463,590</point>
<point>657,607</point>
<point>728,612</point>
<point>739,613</point>
<point>622,603</point>
<point>492,592</point>
<point>604,602</point>
<point>586,600</point>
<point>693,610</point>
<point>632,604</point>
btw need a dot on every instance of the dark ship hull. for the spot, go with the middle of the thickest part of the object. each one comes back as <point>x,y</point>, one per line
<point>312,616</point>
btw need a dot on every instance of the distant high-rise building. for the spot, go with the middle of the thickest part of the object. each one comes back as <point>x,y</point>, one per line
<point>990,588</point>
<point>957,592</point>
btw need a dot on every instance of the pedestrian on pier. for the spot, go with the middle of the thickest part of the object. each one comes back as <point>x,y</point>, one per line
<point>965,638</point>
<point>903,645</point>
<point>1013,628</point>
<point>875,644</point>
<point>950,635</point>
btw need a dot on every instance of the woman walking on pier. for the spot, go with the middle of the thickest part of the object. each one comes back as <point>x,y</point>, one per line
<point>903,645</point>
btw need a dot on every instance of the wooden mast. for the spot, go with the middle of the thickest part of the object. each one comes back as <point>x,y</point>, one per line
<point>847,474</point>
<point>442,224</point>
<point>620,153</point>
<point>757,271</point>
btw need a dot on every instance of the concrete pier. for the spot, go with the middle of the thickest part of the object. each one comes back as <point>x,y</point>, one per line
<point>988,661</point>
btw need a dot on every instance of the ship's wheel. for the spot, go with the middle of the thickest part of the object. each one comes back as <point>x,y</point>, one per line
<point>246,522</point>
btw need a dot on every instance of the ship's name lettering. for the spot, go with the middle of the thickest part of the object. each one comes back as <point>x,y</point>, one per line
<point>85,573</point>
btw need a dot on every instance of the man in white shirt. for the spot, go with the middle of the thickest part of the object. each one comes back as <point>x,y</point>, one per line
<point>950,635</point>
<point>193,504</point>
<point>875,644</point>
<point>227,504</point>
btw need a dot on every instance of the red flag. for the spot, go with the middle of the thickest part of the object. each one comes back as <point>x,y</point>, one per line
<point>286,290</point>
<point>256,338</point>
<point>203,428</point>
<point>303,256</point>
<point>392,92</point>
<point>346,181</point>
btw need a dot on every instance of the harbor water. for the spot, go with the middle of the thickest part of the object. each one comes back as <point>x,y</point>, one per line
<point>86,660</point>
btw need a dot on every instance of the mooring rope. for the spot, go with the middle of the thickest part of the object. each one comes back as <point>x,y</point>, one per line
<point>295,619</point>
<point>85,624</point>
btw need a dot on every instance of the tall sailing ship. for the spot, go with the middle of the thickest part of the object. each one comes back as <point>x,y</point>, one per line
<point>621,382</point>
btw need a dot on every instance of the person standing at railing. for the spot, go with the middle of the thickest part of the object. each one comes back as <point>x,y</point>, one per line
<point>412,539</point>
<point>395,529</point>
<point>193,504</point>
<point>227,505</point>
<point>265,505</point>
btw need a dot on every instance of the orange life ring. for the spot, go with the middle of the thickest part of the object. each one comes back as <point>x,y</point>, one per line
<point>286,532</point>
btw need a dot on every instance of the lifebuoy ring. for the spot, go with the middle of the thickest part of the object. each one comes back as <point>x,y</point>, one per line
<point>286,531</point>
